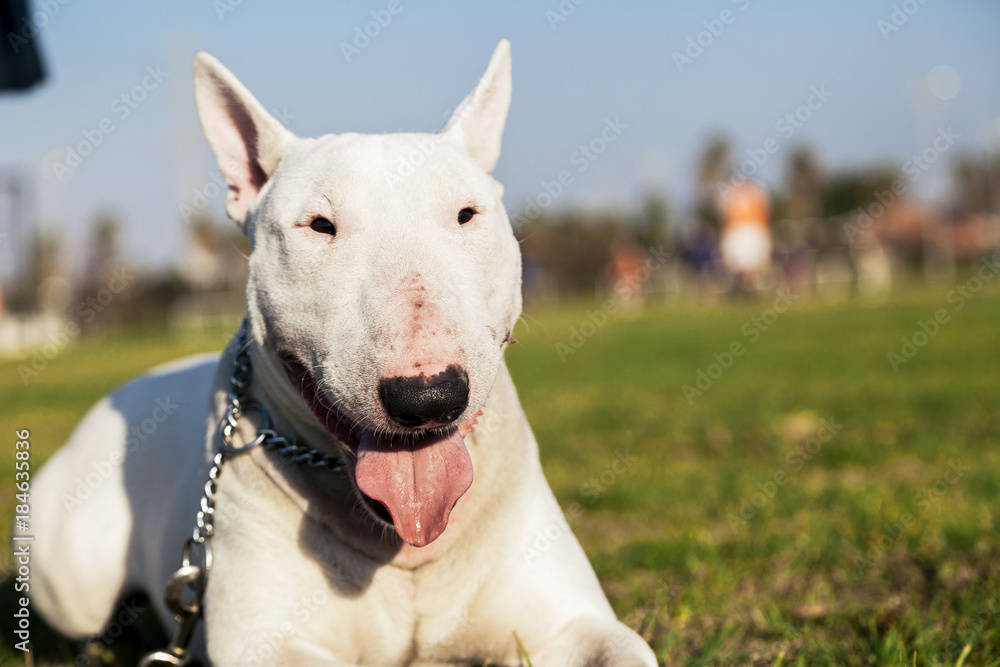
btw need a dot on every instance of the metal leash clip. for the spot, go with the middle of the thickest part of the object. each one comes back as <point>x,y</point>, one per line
<point>186,609</point>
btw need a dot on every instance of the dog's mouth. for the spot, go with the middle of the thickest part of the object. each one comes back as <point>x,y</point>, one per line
<point>408,479</point>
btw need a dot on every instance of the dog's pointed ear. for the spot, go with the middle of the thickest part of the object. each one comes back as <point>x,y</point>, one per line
<point>477,124</point>
<point>247,141</point>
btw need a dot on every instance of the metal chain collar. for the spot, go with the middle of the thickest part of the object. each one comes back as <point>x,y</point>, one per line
<point>195,577</point>
<point>239,407</point>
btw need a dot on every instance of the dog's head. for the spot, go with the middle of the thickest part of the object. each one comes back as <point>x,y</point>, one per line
<point>384,275</point>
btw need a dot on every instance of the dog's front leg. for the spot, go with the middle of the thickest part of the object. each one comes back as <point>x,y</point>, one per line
<point>596,642</point>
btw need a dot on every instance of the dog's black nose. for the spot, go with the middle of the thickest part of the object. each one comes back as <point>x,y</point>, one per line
<point>419,401</point>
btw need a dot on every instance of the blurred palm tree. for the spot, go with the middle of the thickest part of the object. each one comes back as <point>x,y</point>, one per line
<point>804,186</point>
<point>714,167</point>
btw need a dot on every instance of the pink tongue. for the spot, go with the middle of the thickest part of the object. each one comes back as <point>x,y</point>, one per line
<point>418,481</point>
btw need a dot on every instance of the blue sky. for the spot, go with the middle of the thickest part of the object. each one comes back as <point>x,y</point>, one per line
<point>604,61</point>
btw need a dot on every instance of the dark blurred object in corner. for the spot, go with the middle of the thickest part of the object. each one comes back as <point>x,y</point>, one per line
<point>20,62</point>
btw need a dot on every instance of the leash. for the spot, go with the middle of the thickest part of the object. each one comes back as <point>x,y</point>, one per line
<point>185,590</point>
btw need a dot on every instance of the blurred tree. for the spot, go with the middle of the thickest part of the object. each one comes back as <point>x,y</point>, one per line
<point>216,257</point>
<point>714,167</point>
<point>572,247</point>
<point>653,224</point>
<point>42,261</point>
<point>851,190</point>
<point>975,184</point>
<point>103,254</point>
<point>804,186</point>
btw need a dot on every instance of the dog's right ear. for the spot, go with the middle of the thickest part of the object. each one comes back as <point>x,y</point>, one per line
<point>247,141</point>
<point>477,124</point>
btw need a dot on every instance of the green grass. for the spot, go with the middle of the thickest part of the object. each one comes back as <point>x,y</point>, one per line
<point>656,482</point>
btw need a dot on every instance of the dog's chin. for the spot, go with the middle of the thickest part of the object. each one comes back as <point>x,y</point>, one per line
<point>350,432</point>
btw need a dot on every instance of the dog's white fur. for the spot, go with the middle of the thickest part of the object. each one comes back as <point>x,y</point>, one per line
<point>303,574</point>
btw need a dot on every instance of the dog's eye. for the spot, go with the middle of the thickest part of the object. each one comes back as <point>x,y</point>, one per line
<point>465,215</point>
<point>323,226</point>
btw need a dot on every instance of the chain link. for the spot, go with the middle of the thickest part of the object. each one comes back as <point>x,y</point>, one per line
<point>238,408</point>
<point>194,577</point>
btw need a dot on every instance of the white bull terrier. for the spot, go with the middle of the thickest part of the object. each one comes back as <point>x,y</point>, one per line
<point>382,287</point>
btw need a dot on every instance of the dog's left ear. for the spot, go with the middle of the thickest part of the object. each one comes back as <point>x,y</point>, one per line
<point>247,141</point>
<point>477,124</point>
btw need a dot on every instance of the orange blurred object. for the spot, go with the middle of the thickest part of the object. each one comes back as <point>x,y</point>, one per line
<point>747,205</point>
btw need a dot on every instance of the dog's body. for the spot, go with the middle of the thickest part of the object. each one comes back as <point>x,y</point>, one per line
<point>377,324</point>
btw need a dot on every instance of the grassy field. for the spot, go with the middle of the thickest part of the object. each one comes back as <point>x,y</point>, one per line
<point>811,505</point>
